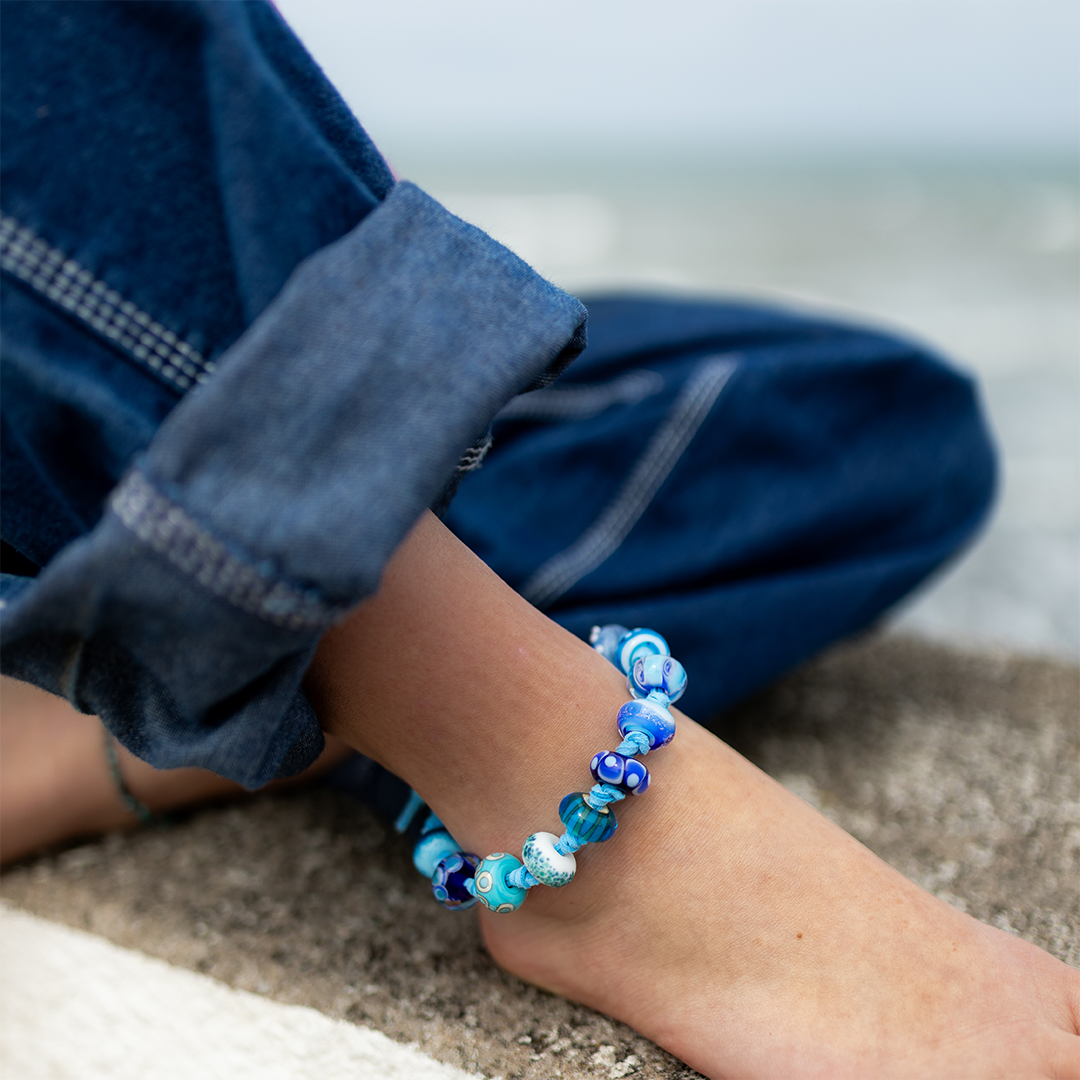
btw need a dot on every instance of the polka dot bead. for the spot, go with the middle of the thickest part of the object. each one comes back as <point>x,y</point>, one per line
<point>492,888</point>
<point>547,864</point>
<point>663,673</point>
<point>431,849</point>
<point>648,717</point>
<point>585,822</point>
<point>448,881</point>
<point>605,640</point>
<point>626,773</point>
<point>639,643</point>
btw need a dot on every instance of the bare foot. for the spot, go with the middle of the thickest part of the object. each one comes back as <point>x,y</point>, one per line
<point>734,925</point>
<point>725,919</point>
<point>55,783</point>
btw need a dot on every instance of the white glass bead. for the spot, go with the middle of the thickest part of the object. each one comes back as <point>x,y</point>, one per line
<point>548,865</point>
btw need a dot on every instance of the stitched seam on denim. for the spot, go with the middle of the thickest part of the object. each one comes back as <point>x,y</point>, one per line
<point>72,287</point>
<point>172,532</point>
<point>582,400</point>
<point>668,443</point>
<point>473,458</point>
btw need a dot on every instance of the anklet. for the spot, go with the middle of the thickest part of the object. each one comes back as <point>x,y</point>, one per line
<point>501,881</point>
<point>136,806</point>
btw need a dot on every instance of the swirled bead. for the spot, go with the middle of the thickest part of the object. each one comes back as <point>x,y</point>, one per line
<point>626,773</point>
<point>492,888</point>
<point>585,822</point>
<point>637,643</point>
<point>605,640</point>
<point>431,848</point>
<point>651,673</point>
<point>448,881</point>
<point>546,863</point>
<point>648,717</point>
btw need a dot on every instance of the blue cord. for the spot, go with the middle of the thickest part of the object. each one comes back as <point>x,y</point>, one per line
<point>408,812</point>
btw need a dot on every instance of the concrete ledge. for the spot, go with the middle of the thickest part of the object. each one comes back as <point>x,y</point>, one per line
<point>961,770</point>
<point>75,1005</point>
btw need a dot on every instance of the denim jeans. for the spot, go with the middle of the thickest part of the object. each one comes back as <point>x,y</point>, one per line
<point>239,360</point>
<point>754,483</point>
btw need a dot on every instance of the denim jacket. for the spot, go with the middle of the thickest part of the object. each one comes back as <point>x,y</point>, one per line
<point>239,360</point>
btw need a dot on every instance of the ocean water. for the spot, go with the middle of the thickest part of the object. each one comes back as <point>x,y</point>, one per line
<point>978,258</point>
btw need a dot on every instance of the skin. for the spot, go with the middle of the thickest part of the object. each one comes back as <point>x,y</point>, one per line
<point>726,919</point>
<point>55,784</point>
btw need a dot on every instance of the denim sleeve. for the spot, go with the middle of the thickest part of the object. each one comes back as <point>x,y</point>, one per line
<point>260,504</point>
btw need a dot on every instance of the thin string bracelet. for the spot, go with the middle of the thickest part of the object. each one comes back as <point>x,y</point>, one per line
<point>143,812</point>
<point>501,881</point>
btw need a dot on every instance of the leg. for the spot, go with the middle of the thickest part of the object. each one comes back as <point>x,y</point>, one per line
<point>727,920</point>
<point>55,783</point>
<point>755,482</point>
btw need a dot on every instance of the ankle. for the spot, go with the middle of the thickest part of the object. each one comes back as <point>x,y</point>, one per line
<point>513,788</point>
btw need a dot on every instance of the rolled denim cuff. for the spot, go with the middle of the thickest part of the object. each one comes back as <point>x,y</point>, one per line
<point>272,496</point>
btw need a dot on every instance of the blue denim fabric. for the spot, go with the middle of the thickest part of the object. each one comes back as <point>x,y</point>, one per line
<point>751,482</point>
<point>238,362</point>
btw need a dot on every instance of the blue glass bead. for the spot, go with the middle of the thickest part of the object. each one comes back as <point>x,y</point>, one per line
<point>492,888</point>
<point>651,673</point>
<point>546,863</point>
<point>639,643</point>
<point>605,639</point>
<point>432,848</point>
<point>649,717</point>
<point>448,881</point>
<point>626,773</point>
<point>589,825</point>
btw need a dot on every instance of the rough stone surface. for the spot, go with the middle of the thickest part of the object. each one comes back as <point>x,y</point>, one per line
<point>961,770</point>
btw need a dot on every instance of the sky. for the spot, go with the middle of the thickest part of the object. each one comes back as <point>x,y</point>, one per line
<point>952,76</point>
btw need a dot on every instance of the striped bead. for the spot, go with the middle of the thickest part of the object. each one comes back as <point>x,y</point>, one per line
<point>639,643</point>
<point>648,717</point>
<point>585,822</point>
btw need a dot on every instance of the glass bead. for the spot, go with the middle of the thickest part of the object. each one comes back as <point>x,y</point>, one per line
<point>448,881</point>
<point>639,643</point>
<point>626,773</point>
<point>605,640</point>
<point>432,848</point>
<point>651,673</point>
<point>548,865</point>
<point>589,825</point>
<point>649,717</point>
<point>492,888</point>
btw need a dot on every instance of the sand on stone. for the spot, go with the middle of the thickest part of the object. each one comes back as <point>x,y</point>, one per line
<point>962,770</point>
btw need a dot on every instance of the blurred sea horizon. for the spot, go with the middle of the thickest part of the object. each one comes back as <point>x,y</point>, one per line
<point>976,255</point>
<point>914,166</point>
